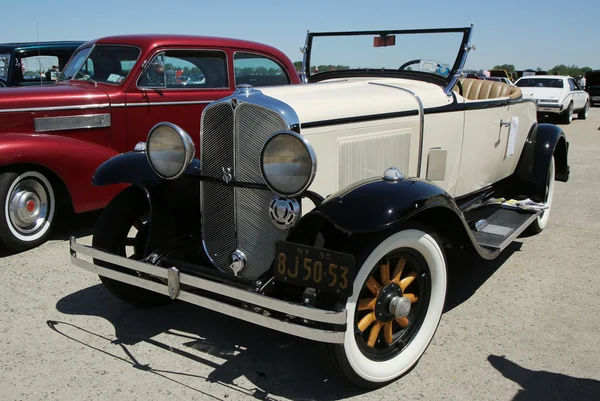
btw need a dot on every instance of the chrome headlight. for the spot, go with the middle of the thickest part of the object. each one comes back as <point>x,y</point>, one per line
<point>169,150</point>
<point>288,163</point>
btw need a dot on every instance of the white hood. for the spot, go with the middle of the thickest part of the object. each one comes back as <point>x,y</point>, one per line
<point>356,97</point>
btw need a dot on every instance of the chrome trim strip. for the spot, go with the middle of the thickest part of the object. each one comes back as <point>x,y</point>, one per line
<point>47,124</point>
<point>167,103</point>
<point>57,108</point>
<point>421,121</point>
<point>197,282</point>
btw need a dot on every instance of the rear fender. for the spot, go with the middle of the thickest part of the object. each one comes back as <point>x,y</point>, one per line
<point>543,142</point>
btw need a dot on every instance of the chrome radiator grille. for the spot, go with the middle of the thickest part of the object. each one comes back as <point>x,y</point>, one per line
<point>237,218</point>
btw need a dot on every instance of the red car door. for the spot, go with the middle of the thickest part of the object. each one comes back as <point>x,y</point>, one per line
<point>175,86</point>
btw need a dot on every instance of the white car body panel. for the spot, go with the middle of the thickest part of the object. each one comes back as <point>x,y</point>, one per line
<point>474,140</point>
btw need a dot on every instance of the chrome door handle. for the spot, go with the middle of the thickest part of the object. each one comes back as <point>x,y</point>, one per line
<point>504,123</point>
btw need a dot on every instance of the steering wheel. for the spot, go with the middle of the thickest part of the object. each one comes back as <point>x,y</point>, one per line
<point>403,66</point>
<point>440,69</point>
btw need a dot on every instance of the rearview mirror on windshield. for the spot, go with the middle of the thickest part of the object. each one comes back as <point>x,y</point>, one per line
<point>384,41</point>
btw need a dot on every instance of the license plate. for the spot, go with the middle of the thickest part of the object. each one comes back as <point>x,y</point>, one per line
<point>596,98</point>
<point>312,267</point>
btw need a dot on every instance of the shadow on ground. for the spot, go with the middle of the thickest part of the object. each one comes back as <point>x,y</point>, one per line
<point>543,385</point>
<point>276,363</point>
<point>467,272</point>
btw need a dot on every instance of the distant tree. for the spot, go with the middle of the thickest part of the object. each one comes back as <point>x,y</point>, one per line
<point>298,65</point>
<point>572,70</point>
<point>507,67</point>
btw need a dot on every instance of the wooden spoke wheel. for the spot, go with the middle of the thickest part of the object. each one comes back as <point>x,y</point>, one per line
<point>395,308</point>
<point>391,303</point>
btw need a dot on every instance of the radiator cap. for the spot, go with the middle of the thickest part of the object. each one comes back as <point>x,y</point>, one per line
<point>392,174</point>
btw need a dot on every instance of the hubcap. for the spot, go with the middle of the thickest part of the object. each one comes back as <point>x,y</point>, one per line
<point>391,305</point>
<point>28,206</point>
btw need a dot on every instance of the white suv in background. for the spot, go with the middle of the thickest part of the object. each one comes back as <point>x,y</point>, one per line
<point>558,95</point>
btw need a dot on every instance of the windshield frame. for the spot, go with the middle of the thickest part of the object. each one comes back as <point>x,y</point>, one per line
<point>446,82</point>
<point>91,50</point>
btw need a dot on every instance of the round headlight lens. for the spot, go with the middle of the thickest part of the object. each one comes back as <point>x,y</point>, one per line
<point>169,150</point>
<point>288,163</point>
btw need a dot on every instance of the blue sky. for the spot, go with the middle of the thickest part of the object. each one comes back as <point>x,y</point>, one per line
<point>528,34</point>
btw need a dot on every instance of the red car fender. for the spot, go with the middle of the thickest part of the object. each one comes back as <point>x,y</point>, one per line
<point>72,160</point>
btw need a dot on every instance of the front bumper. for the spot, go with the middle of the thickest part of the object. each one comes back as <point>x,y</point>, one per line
<point>260,306</point>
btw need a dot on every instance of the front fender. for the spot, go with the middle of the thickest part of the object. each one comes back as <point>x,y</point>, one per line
<point>376,204</point>
<point>543,142</point>
<point>349,218</point>
<point>132,168</point>
<point>72,160</point>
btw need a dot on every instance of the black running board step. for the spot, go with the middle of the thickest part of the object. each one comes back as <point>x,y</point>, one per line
<point>497,231</point>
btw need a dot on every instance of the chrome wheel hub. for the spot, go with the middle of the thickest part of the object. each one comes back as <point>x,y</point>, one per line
<point>400,306</point>
<point>28,206</point>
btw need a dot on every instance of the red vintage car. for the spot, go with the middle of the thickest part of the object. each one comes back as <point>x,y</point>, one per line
<point>110,94</point>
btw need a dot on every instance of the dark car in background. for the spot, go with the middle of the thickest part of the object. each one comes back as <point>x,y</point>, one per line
<point>34,63</point>
<point>592,86</point>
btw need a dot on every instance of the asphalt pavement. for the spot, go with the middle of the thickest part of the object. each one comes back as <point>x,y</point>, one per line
<point>526,326</point>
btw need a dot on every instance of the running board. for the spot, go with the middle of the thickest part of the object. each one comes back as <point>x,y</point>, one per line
<point>498,230</point>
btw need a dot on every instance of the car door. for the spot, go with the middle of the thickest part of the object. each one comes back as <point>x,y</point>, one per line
<point>175,86</point>
<point>492,134</point>
<point>578,99</point>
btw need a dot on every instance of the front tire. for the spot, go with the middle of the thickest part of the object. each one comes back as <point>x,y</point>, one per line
<point>379,346</point>
<point>122,230</point>
<point>29,207</point>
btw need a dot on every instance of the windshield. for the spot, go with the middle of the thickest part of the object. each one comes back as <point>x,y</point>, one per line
<point>4,61</point>
<point>102,63</point>
<point>540,83</point>
<point>431,52</point>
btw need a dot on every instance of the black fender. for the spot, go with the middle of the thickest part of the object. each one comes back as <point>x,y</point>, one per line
<point>543,142</point>
<point>347,218</point>
<point>132,168</point>
<point>173,204</point>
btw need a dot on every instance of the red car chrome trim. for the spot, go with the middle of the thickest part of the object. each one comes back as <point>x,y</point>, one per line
<point>45,124</point>
<point>56,108</point>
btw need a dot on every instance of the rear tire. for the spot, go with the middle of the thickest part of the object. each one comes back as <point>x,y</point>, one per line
<point>567,116</point>
<point>398,347</point>
<point>583,113</point>
<point>540,223</point>
<point>125,212</point>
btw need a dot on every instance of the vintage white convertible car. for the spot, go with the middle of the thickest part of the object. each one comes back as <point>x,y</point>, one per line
<point>324,210</point>
<point>557,95</point>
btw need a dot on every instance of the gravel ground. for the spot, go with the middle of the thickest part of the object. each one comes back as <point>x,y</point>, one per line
<point>523,327</point>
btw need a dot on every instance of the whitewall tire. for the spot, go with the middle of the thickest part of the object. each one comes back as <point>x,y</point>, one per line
<point>385,350</point>
<point>29,205</point>
<point>542,220</point>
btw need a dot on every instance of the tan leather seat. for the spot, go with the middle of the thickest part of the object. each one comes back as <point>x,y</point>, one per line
<point>479,89</point>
